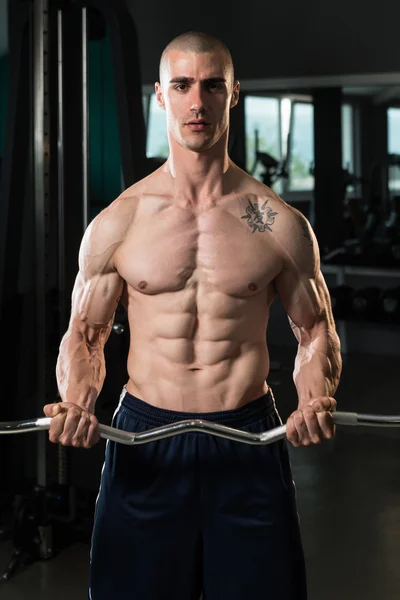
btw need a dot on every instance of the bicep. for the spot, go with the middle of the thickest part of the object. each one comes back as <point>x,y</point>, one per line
<point>305,298</point>
<point>300,284</point>
<point>98,285</point>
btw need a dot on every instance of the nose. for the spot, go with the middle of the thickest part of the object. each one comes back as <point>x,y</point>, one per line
<point>197,98</point>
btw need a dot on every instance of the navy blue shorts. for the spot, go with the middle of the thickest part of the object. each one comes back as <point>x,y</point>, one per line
<point>197,514</point>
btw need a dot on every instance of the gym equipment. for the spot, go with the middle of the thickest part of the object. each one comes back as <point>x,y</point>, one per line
<point>273,169</point>
<point>365,304</point>
<point>379,241</point>
<point>389,305</point>
<point>40,526</point>
<point>49,56</point>
<point>31,534</point>
<point>371,224</point>
<point>166,431</point>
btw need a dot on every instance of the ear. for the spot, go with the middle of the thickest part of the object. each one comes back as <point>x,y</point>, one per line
<point>159,95</point>
<point>235,94</point>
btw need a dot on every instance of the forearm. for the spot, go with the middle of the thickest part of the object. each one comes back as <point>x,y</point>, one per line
<point>318,363</point>
<point>80,369</point>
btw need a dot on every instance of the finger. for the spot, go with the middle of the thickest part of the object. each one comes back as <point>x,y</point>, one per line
<point>291,432</point>
<point>300,424</point>
<point>93,435</point>
<point>314,430</point>
<point>324,403</point>
<point>57,427</point>
<point>51,410</point>
<point>79,438</point>
<point>70,425</point>
<point>327,425</point>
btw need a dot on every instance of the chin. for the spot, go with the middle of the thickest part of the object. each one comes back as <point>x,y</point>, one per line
<point>199,146</point>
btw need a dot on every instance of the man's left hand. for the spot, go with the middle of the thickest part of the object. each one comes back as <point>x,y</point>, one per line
<point>312,422</point>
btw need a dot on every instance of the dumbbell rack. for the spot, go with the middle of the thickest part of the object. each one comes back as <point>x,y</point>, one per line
<point>342,272</point>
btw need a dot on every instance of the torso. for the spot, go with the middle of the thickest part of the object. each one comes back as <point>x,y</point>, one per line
<point>199,285</point>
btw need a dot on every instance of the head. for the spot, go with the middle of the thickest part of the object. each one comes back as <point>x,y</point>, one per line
<point>197,89</point>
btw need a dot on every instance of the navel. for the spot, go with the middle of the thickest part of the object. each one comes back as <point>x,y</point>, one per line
<point>252,287</point>
<point>142,285</point>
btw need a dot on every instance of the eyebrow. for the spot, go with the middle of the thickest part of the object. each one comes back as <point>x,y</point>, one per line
<point>192,80</point>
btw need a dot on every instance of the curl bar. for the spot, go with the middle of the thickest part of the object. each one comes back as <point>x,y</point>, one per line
<point>159,433</point>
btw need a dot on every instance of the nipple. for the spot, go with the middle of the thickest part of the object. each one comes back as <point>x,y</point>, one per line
<point>252,287</point>
<point>142,285</point>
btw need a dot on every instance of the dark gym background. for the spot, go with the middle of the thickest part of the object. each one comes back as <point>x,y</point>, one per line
<point>77,126</point>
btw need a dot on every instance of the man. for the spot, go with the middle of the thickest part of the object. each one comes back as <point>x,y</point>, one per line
<point>196,252</point>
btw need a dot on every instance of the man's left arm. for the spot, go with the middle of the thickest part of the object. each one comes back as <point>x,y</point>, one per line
<point>318,364</point>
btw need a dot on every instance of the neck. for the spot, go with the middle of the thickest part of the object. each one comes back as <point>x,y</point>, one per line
<point>199,177</point>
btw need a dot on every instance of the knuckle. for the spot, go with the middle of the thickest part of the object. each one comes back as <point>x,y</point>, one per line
<point>75,413</point>
<point>309,414</point>
<point>298,419</point>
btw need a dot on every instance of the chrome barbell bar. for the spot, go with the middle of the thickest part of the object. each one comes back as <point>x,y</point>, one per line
<point>159,433</point>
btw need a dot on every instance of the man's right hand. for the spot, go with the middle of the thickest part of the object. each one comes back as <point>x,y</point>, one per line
<point>71,425</point>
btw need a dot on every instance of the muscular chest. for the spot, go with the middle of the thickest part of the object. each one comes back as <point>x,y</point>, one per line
<point>169,249</point>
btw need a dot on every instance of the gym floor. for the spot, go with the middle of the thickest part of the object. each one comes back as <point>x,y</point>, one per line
<point>348,499</point>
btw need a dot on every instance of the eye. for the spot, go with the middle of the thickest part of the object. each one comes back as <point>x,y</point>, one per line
<point>214,86</point>
<point>181,87</point>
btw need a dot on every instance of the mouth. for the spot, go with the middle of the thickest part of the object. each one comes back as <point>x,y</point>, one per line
<point>198,125</point>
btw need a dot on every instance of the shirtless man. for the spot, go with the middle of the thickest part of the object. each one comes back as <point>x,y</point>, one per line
<point>197,252</point>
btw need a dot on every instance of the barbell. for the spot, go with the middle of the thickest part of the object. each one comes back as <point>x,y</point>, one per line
<point>199,425</point>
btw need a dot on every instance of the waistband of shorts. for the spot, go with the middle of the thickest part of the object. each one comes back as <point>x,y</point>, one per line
<point>154,416</point>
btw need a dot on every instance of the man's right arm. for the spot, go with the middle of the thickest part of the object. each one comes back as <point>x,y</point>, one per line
<point>80,368</point>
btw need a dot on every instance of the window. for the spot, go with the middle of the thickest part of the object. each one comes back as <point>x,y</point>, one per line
<point>348,145</point>
<point>263,125</point>
<point>301,147</point>
<point>347,137</point>
<point>394,146</point>
<point>146,106</point>
<point>157,139</point>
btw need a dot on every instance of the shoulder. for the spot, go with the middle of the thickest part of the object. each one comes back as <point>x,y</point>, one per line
<point>113,221</point>
<point>106,232</point>
<point>296,239</point>
<point>290,231</point>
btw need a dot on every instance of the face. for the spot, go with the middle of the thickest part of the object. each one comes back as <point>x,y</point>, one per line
<point>197,93</point>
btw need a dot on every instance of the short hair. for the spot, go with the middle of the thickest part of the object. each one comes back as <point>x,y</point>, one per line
<point>197,42</point>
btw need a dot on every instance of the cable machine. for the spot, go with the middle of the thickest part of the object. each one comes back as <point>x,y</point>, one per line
<point>44,211</point>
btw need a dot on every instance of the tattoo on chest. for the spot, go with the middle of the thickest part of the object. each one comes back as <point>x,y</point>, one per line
<point>259,218</point>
